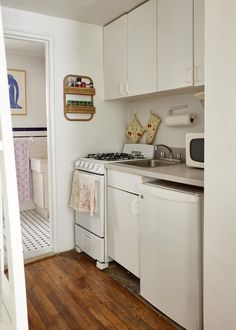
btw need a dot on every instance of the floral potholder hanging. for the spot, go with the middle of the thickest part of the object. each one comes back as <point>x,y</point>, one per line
<point>152,127</point>
<point>134,131</point>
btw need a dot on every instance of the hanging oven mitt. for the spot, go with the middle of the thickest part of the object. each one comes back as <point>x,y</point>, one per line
<point>134,131</point>
<point>152,127</point>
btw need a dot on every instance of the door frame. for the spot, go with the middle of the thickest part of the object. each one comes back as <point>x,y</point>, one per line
<point>50,113</point>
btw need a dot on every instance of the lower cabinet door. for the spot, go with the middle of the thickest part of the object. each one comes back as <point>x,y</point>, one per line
<point>123,235</point>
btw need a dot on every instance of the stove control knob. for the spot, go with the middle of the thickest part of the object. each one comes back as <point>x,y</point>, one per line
<point>77,163</point>
<point>86,165</point>
<point>91,166</point>
<point>96,167</point>
<point>99,168</point>
<point>82,164</point>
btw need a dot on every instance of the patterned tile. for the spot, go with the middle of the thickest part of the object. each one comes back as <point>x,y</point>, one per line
<point>35,231</point>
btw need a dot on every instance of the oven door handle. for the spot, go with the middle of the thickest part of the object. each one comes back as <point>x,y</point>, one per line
<point>98,177</point>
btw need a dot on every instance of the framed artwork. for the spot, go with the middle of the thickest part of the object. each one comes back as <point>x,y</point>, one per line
<point>17,91</point>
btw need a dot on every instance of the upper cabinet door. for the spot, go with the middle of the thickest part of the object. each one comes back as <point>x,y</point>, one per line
<point>141,49</point>
<point>175,44</point>
<point>199,42</point>
<point>115,75</point>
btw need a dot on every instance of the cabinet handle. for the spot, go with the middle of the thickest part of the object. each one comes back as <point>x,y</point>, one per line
<point>196,74</point>
<point>127,87</point>
<point>134,208</point>
<point>122,88</point>
<point>189,75</point>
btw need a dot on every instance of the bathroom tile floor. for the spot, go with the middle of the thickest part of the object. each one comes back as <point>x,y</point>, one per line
<point>35,231</point>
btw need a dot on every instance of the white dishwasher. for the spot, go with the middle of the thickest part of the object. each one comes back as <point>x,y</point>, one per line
<point>170,224</point>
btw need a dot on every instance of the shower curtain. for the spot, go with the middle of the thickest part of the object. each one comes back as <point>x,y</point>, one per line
<point>24,182</point>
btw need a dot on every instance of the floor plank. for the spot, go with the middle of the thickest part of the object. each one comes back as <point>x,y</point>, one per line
<point>67,291</point>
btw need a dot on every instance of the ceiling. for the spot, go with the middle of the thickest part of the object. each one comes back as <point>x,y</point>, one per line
<point>25,47</point>
<point>98,12</point>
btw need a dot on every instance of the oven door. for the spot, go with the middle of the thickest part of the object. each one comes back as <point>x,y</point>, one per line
<point>95,223</point>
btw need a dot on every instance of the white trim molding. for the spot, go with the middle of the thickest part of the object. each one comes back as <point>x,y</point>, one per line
<point>49,63</point>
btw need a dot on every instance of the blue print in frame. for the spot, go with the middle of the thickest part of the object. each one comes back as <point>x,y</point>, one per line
<point>17,91</point>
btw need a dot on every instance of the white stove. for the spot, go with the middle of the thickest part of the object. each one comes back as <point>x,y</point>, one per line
<point>95,163</point>
<point>90,230</point>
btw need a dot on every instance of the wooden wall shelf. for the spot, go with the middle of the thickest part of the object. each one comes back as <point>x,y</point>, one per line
<point>78,97</point>
<point>80,110</point>
<point>80,90</point>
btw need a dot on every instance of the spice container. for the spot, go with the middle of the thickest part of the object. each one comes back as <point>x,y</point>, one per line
<point>78,82</point>
<point>71,82</point>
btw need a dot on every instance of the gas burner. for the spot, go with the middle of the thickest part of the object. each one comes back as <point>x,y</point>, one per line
<point>139,157</point>
<point>91,155</point>
<point>124,156</point>
<point>112,156</point>
<point>105,156</point>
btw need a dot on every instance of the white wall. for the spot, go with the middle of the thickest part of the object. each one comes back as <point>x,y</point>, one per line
<point>78,48</point>
<point>172,136</point>
<point>220,167</point>
<point>35,89</point>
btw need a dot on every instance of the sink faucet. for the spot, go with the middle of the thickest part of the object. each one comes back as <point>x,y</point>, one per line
<point>163,155</point>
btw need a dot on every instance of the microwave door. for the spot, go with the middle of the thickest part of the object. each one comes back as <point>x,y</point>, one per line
<point>195,150</point>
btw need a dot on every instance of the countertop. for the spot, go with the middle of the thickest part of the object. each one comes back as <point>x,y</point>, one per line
<point>174,173</point>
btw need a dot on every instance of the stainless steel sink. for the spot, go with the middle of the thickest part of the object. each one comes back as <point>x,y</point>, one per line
<point>150,163</point>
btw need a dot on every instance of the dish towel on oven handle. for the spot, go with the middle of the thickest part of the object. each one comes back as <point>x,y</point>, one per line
<point>84,193</point>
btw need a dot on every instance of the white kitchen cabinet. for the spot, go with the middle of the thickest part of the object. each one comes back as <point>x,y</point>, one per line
<point>175,44</point>
<point>141,50</point>
<point>130,53</point>
<point>115,72</point>
<point>123,237</point>
<point>122,219</point>
<point>156,47</point>
<point>199,42</point>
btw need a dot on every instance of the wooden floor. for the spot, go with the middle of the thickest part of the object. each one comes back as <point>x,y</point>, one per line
<point>68,292</point>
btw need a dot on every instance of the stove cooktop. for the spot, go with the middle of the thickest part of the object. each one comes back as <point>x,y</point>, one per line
<point>115,156</point>
<point>95,162</point>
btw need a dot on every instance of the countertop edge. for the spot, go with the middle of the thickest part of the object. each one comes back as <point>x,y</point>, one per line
<point>168,174</point>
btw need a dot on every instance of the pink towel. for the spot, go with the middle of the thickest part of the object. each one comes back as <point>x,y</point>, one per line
<point>23,169</point>
<point>84,193</point>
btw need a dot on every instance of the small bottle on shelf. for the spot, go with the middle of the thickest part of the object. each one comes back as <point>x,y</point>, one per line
<point>78,82</point>
<point>71,82</point>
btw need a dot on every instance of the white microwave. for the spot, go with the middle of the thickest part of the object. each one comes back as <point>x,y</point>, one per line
<point>195,150</point>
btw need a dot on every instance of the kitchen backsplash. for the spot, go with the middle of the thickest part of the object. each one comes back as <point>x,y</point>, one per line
<point>172,136</point>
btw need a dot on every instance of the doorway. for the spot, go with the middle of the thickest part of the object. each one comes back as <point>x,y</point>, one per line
<point>32,121</point>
